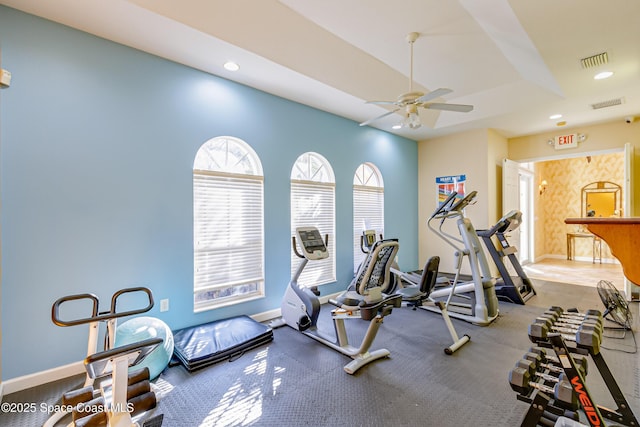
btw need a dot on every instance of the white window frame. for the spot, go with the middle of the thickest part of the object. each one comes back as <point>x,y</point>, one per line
<point>368,206</point>
<point>313,204</point>
<point>228,224</point>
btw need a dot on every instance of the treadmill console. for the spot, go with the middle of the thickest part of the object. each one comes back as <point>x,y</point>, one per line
<point>313,246</point>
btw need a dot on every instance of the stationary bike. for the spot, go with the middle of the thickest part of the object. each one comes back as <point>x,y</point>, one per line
<point>301,306</point>
<point>476,301</point>
<point>415,289</point>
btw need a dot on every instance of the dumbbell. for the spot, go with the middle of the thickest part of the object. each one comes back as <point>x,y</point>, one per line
<point>580,361</point>
<point>573,329</point>
<point>562,392</point>
<point>534,363</point>
<point>589,314</point>
<point>573,320</point>
<point>553,418</point>
<point>569,326</point>
<point>535,373</point>
<point>584,337</point>
<point>594,315</point>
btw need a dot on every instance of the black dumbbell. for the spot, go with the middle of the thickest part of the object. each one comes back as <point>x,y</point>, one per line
<point>572,320</point>
<point>535,362</point>
<point>580,361</point>
<point>560,323</point>
<point>591,314</point>
<point>584,337</point>
<point>534,371</point>
<point>562,392</point>
<point>594,315</point>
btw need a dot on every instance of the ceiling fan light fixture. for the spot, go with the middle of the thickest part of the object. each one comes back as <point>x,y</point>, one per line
<point>413,120</point>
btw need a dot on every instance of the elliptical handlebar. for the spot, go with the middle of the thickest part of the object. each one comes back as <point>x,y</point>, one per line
<point>95,314</point>
<point>444,206</point>
<point>450,205</point>
<point>464,202</point>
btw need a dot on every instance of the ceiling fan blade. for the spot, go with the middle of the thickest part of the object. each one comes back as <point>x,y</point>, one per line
<point>434,94</point>
<point>382,102</point>
<point>379,117</point>
<point>461,108</point>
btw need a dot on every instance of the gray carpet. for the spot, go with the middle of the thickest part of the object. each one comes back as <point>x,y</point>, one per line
<point>295,381</point>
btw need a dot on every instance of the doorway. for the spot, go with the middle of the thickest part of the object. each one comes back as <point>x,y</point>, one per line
<point>543,232</point>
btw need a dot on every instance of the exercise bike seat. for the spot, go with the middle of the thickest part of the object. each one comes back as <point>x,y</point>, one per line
<point>415,293</point>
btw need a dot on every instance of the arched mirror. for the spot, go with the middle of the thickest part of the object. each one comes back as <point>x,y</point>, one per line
<point>601,199</point>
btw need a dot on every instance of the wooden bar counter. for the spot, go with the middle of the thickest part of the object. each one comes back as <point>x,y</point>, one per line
<point>623,237</point>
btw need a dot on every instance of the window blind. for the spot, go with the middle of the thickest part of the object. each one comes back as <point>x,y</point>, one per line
<point>368,208</point>
<point>228,238</point>
<point>313,204</point>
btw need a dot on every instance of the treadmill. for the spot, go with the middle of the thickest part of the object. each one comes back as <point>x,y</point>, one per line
<point>516,289</point>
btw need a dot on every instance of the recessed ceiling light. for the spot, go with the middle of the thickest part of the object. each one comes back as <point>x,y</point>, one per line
<point>555,116</point>
<point>397,126</point>
<point>561,123</point>
<point>231,66</point>
<point>603,75</point>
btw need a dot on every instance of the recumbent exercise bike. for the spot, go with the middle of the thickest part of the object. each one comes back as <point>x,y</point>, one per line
<point>301,305</point>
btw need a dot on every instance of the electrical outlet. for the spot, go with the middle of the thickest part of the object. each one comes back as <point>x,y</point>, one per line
<point>164,305</point>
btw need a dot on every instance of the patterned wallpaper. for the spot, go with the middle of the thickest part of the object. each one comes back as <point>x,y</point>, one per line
<point>562,199</point>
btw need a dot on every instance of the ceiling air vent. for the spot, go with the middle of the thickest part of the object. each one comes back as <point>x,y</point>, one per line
<point>595,60</point>
<point>605,104</point>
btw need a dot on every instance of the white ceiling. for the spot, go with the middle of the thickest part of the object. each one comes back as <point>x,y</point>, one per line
<point>516,61</point>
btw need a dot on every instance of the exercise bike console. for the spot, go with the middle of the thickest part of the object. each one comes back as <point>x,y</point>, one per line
<point>313,246</point>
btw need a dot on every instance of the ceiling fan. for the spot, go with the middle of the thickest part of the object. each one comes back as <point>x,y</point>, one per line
<point>411,101</point>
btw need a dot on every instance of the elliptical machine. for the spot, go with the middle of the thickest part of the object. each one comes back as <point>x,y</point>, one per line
<point>475,301</point>
<point>516,289</point>
<point>301,306</point>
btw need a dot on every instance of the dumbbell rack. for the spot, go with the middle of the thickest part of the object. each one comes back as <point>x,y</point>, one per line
<point>541,403</point>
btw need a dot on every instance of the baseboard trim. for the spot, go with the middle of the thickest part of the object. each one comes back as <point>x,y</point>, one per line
<point>266,315</point>
<point>43,377</point>
<point>1,391</point>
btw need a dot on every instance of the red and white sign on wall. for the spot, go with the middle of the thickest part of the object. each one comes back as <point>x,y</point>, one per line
<point>566,141</point>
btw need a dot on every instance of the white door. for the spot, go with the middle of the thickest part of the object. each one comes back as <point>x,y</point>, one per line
<point>511,195</point>
<point>525,247</point>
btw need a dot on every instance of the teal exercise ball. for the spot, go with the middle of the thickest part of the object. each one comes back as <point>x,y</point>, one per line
<point>142,328</point>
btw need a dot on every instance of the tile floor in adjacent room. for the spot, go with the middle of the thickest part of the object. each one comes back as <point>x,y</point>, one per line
<point>583,273</point>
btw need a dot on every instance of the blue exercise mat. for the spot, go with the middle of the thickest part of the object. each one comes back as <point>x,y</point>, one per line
<point>198,346</point>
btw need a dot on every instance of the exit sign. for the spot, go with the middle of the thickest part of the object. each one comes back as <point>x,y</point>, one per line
<point>566,141</point>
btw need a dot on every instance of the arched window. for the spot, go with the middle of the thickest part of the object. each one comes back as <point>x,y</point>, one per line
<point>368,206</point>
<point>228,236</point>
<point>313,204</point>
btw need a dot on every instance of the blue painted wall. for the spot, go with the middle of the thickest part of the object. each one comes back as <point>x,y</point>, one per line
<point>97,147</point>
